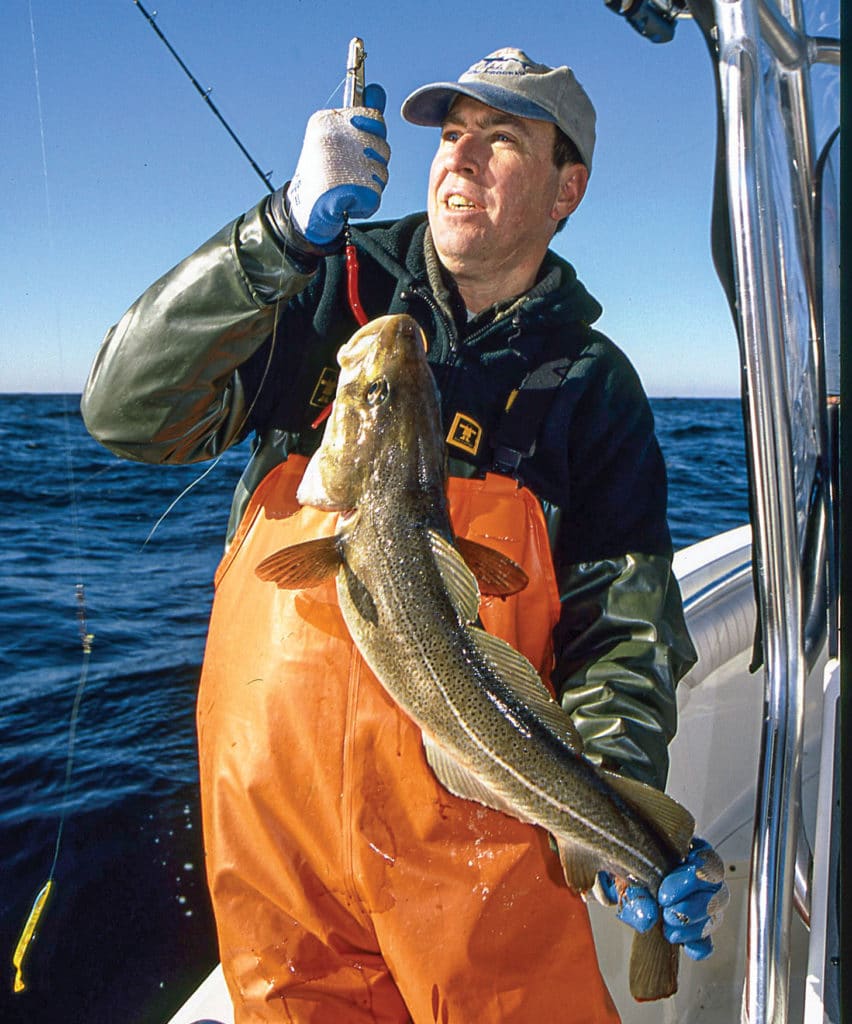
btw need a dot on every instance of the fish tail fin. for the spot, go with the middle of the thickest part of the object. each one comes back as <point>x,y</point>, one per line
<point>653,966</point>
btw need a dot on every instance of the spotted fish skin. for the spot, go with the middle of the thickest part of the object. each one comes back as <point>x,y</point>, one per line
<point>491,730</point>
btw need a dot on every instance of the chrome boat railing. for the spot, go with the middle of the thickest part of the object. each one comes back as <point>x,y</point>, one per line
<point>772,237</point>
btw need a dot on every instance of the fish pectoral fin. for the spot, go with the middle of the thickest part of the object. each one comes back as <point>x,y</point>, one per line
<point>458,579</point>
<point>579,867</point>
<point>653,966</point>
<point>672,820</point>
<point>496,574</point>
<point>461,781</point>
<point>304,565</point>
<point>514,669</point>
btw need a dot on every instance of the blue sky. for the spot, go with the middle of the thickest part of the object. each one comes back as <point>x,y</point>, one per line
<point>139,172</point>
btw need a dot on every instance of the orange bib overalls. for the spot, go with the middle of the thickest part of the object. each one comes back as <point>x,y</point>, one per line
<point>348,884</point>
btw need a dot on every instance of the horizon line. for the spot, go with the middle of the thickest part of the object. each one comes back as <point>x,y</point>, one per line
<point>28,393</point>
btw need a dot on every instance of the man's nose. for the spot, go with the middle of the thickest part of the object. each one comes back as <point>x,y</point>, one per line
<point>465,156</point>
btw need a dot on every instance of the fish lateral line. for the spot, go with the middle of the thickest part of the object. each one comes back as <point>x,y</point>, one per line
<point>549,799</point>
<point>469,782</point>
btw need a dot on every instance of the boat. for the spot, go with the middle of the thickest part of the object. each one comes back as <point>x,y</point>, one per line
<point>756,753</point>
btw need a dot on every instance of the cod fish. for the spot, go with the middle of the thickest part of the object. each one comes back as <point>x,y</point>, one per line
<point>410,599</point>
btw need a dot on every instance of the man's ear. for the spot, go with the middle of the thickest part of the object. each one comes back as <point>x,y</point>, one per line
<point>573,179</point>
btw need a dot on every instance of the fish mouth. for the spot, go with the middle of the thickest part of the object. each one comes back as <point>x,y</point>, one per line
<point>379,336</point>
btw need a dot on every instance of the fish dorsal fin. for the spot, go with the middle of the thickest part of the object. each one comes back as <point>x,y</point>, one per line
<point>579,867</point>
<point>304,565</point>
<point>497,575</point>
<point>458,579</point>
<point>673,821</point>
<point>461,781</point>
<point>514,669</point>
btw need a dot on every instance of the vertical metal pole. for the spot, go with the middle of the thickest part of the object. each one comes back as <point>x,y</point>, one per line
<point>755,236</point>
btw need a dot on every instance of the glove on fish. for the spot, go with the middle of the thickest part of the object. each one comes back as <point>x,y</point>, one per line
<point>342,169</point>
<point>692,898</point>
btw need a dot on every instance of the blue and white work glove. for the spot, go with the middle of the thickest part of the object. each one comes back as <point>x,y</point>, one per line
<point>342,169</point>
<point>692,899</point>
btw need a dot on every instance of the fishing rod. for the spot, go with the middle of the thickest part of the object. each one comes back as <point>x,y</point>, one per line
<point>352,97</point>
<point>205,95</point>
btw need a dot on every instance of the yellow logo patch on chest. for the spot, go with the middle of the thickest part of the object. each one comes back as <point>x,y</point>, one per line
<point>465,433</point>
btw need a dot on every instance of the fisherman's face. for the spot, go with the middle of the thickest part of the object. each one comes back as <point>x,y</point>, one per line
<point>495,194</point>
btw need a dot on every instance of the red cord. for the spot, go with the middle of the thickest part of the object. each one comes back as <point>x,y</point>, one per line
<point>352,284</point>
<point>354,305</point>
<point>323,416</point>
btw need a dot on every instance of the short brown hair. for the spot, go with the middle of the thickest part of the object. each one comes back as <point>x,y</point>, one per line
<point>564,152</point>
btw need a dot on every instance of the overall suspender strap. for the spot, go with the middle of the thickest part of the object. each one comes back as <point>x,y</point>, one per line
<point>528,406</point>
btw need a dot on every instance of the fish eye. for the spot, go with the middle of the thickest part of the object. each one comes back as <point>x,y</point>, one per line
<point>377,392</point>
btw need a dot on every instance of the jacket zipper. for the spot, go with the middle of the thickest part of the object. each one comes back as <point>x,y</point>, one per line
<point>414,290</point>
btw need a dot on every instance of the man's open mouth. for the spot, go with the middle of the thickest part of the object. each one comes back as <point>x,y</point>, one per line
<point>457,202</point>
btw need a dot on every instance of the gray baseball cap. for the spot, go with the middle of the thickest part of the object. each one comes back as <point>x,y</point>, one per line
<point>508,80</point>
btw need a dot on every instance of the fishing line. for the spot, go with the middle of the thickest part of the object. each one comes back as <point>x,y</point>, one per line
<point>184,492</point>
<point>336,90</point>
<point>28,933</point>
<point>238,431</point>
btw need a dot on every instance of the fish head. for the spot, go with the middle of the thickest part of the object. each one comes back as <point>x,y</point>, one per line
<point>385,426</point>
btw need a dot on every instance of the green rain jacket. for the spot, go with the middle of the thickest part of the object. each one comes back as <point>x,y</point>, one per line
<point>240,338</point>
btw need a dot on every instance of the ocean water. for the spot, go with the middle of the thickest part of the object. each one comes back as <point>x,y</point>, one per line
<point>128,930</point>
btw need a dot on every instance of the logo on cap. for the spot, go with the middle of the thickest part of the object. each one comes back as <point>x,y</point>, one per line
<point>506,62</point>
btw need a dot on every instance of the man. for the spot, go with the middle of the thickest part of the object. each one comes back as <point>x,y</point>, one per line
<point>348,884</point>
